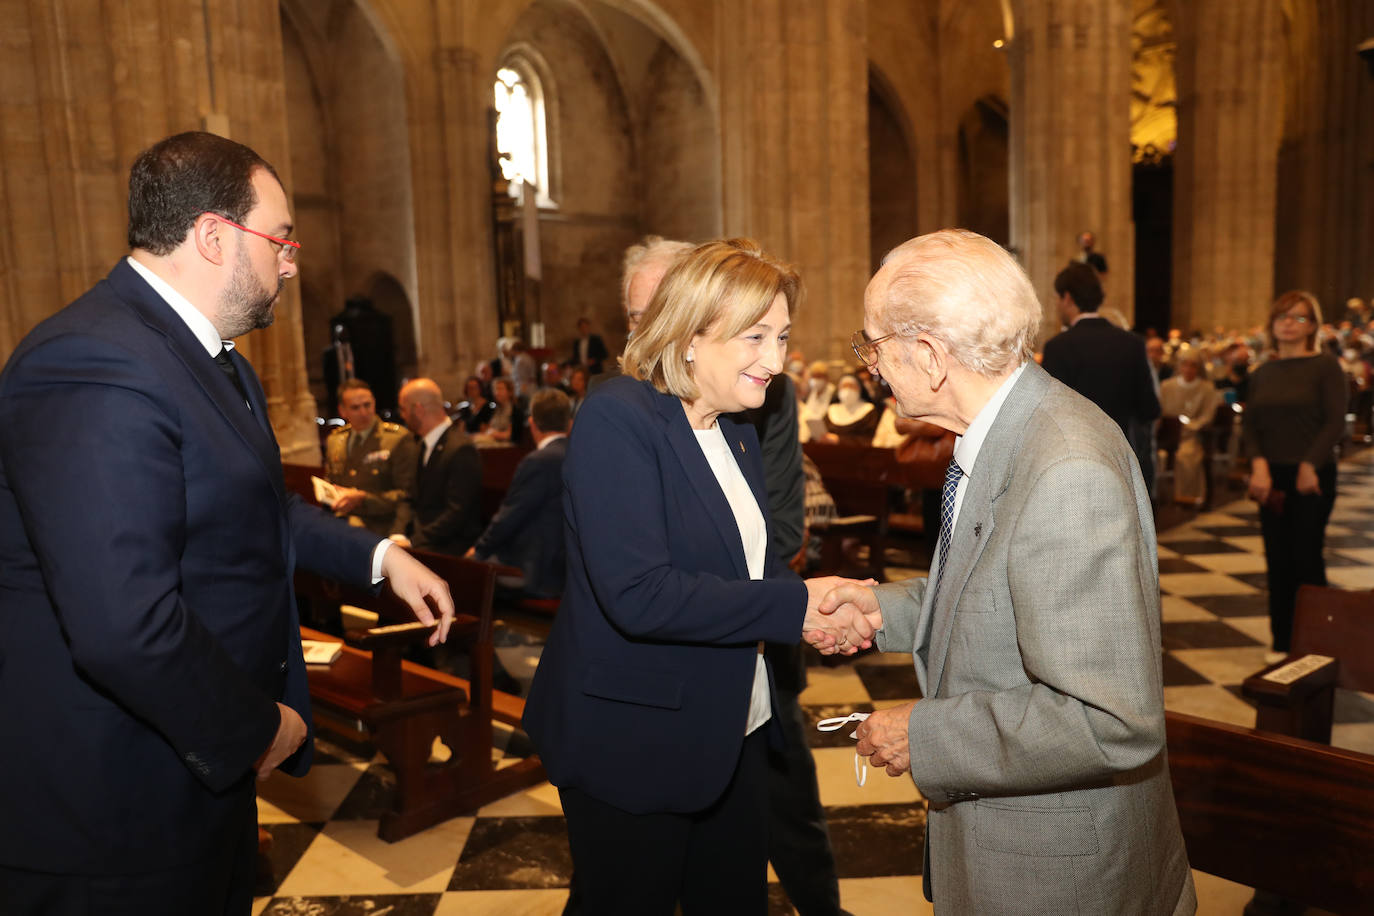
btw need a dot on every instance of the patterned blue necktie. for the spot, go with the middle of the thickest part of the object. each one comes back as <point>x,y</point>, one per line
<point>952,475</point>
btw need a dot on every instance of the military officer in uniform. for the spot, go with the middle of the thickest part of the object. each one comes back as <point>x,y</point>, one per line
<point>372,462</point>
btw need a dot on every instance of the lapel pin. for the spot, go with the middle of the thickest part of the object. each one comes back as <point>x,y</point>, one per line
<point>741,448</point>
<point>978,530</point>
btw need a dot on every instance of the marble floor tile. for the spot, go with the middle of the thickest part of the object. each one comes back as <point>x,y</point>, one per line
<point>1165,553</point>
<point>1251,605</point>
<point>1177,674</point>
<point>1251,544</point>
<point>1361,577</point>
<point>1173,609</point>
<point>889,682</point>
<point>1203,545</point>
<point>313,798</point>
<point>503,903</point>
<point>289,843</point>
<point>506,853</point>
<point>1230,562</point>
<point>835,776</point>
<point>1179,565</point>
<point>1208,701</point>
<point>1190,584</point>
<point>833,685</point>
<point>349,858</point>
<point>1364,555</point>
<point>1257,628</point>
<point>536,801</point>
<point>1204,634</point>
<point>900,894</point>
<point>1224,666</point>
<point>355,905</point>
<point>873,841</point>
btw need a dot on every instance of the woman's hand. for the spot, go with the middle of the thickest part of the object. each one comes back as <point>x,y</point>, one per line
<point>842,615</point>
<point>1307,479</point>
<point>1260,481</point>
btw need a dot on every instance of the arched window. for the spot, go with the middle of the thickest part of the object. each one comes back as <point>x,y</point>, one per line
<point>521,136</point>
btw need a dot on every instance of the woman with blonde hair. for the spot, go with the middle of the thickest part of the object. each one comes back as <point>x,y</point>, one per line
<point>651,706</point>
<point>1294,419</point>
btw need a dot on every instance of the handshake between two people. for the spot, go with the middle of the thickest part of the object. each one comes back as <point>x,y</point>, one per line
<point>842,615</point>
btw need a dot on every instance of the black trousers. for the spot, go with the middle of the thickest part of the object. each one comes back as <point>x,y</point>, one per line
<point>713,861</point>
<point>798,838</point>
<point>220,885</point>
<point>1293,542</point>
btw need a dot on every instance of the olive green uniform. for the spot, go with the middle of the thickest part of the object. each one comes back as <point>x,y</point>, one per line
<point>382,462</point>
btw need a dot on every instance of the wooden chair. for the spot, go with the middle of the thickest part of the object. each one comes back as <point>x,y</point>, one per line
<point>1297,696</point>
<point>403,706</point>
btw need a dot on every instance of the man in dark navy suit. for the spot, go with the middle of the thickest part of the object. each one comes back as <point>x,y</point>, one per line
<point>527,531</point>
<point>448,487</point>
<point>1097,359</point>
<point>150,653</point>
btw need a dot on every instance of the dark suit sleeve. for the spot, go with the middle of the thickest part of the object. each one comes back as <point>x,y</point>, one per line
<point>462,493</point>
<point>1053,360</point>
<point>639,570</point>
<point>527,494</point>
<point>93,453</point>
<point>776,423</point>
<point>1147,398</point>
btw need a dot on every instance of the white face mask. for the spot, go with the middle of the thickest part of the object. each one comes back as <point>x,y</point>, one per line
<point>795,367</point>
<point>817,384</point>
<point>849,397</point>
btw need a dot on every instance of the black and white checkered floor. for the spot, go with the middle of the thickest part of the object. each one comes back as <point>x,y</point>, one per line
<point>512,856</point>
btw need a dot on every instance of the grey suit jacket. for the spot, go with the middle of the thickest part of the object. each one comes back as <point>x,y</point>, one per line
<point>1040,741</point>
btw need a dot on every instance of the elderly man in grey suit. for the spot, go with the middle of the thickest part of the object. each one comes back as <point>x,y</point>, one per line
<point>1040,739</point>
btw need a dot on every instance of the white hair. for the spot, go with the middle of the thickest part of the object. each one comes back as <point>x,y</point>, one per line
<point>655,249</point>
<point>967,292</point>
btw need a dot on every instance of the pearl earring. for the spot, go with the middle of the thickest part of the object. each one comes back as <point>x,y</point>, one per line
<point>691,355</point>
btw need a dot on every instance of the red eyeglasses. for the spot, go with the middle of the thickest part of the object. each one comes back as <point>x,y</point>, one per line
<point>286,248</point>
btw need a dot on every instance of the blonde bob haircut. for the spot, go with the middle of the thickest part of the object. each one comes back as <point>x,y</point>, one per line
<point>719,289</point>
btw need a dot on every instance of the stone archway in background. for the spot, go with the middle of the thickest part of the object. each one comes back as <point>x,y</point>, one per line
<point>893,216</point>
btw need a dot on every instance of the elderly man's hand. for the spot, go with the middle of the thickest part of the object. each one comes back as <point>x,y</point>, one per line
<point>883,738</point>
<point>840,626</point>
<point>413,582</point>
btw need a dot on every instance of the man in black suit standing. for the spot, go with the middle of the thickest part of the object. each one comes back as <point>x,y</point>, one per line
<point>1094,357</point>
<point>589,350</point>
<point>150,654</point>
<point>527,531</point>
<point>448,486</point>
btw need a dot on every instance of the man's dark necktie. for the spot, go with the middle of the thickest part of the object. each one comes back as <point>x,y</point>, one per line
<point>952,475</point>
<point>226,366</point>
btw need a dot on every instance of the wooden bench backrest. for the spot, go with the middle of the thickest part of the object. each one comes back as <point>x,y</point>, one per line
<point>297,478</point>
<point>839,461</point>
<point>1338,623</point>
<point>1282,814</point>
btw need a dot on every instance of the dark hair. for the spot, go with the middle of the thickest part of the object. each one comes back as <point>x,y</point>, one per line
<point>1081,283</point>
<point>551,410</point>
<point>177,179</point>
<point>353,384</point>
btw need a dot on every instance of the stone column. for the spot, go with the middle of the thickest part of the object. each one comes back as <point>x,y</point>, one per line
<point>1325,222</point>
<point>1071,142</point>
<point>88,87</point>
<point>1229,67</point>
<point>794,112</point>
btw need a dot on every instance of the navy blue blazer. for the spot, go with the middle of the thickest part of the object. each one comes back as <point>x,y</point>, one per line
<point>1107,366</point>
<point>527,531</point>
<point>147,619</point>
<point>642,692</point>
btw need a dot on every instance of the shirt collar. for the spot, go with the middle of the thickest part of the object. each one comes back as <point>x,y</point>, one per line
<point>1083,315</point>
<point>550,439</point>
<point>967,446</point>
<point>432,437</point>
<point>194,319</point>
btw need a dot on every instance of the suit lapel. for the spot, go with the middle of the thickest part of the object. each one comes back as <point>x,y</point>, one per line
<point>251,426</point>
<point>684,444</point>
<point>977,514</point>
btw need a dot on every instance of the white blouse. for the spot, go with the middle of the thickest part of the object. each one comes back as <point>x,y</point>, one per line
<point>753,534</point>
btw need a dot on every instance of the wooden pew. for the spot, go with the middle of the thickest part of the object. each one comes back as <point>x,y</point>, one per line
<point>1328,623</point>
<point>1280,814</point>
<point>403,706</point>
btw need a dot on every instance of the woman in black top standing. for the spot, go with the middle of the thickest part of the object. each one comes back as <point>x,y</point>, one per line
<point>1294,418</point>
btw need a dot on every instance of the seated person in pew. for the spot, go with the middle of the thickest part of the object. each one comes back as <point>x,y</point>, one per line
<point>851,419</point>
<point>372,463</point>
<point>448,482</point>
<point>527,531</point>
